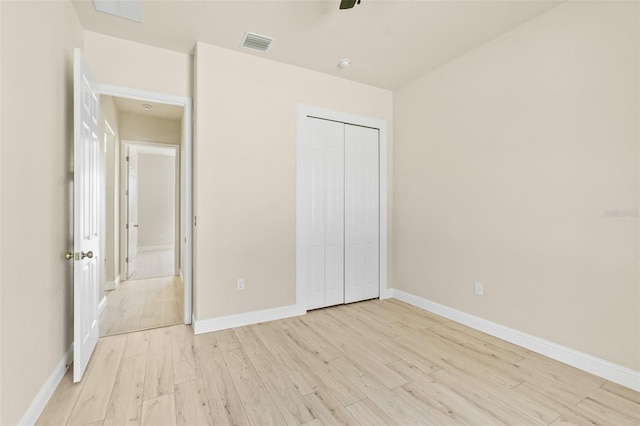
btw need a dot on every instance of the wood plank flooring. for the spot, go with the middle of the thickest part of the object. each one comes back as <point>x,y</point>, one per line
<point>143,304</point>
<point>369,363</point>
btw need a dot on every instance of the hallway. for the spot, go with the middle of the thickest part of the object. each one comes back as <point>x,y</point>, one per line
<point>143,304</point>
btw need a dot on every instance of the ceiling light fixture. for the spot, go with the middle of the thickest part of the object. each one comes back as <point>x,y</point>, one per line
<point>147,106</point>
<point>344,63</point>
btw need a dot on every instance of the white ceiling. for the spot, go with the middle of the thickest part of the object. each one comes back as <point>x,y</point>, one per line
<point>389,42</point>
<point>171,112</point>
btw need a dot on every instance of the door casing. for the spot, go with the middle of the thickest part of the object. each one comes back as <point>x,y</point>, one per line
<point>304,111</point>
<point>186,177</point>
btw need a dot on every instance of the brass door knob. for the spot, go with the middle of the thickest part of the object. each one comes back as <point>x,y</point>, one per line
<point>88,254</point>
<point>68,255</point>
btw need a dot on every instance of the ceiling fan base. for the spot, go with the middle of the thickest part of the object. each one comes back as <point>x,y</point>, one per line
<point>347,4</point>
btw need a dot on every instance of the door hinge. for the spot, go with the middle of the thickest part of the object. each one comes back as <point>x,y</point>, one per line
<point>127,158</point>
<point>126,192</point>
<point>126,260</point>
<point>126,226</point>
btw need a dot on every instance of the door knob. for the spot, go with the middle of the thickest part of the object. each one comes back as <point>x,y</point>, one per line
<point>88,254</point>
<point>68,255</point>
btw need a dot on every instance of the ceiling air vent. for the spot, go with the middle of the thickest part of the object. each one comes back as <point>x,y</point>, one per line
<point>256,42</point>
<point>128,9</point>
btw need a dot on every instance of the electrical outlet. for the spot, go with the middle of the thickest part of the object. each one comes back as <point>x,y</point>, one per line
<point>479,289</point>
<point>240,283</point>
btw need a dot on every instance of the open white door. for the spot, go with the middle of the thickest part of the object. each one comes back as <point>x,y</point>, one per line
<point>132,210</point>
<point>86,223</point>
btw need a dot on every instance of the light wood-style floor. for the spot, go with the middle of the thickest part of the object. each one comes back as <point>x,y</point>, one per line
<point>154,264</point>
<point>143,304</point>
<point>370,363</point>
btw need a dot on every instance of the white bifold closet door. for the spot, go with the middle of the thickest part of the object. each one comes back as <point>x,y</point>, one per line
<point>340,215</point>
<point>361,214</point>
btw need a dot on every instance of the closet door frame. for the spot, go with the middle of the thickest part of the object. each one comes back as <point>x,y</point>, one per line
<point>304,111</point>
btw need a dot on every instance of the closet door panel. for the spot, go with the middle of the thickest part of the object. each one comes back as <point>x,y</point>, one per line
<point>334,214</point>
<point>323,253</point>
<point>314,219</point>
<point>361,228</point>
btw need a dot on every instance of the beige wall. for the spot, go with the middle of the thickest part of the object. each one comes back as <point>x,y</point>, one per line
<point>141,128</point>
<point>508,162</point>
<point>156,200</point>
<point>245,173</point>
<point>128,64</point>
<point>36,175</point>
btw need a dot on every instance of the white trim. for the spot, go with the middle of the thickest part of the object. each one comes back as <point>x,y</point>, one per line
<point>157,248</point>
<point>249,318</point>
<point>304,111</point>
<point>607,370</point>
<point>46,391</point>
<point>186,171</point>
<point>142,95</point>
<point>107,285</point>
<point>112,285</point>
<point>102,305</point>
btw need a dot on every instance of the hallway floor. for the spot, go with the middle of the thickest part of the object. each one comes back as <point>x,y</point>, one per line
<point>154,264</point>
<point>143,304</point>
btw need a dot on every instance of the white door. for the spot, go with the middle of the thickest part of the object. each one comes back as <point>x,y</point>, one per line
<point>324,216</point>
<point>86,204</point>
<point>362,209</point>
<point>339,213</point>
<point>132,210</point>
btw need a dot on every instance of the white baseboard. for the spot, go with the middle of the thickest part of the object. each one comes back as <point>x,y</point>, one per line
<point>102,305</point>
<point>156,248</point>
<point>112,285</point>
<point>386,294</point>
<point>249,318</point>
<point>607,370</point>
<point>46,391</point>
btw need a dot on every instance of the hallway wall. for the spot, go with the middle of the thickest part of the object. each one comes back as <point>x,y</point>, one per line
<point>156,201</point>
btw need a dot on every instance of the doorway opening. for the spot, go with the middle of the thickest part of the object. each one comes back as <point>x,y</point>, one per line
<point>151,188</point>
<point>146,262</point>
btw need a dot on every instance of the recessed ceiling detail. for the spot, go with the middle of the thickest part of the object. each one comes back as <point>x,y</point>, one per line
<point>128,9</point>
<point>257,42</point>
